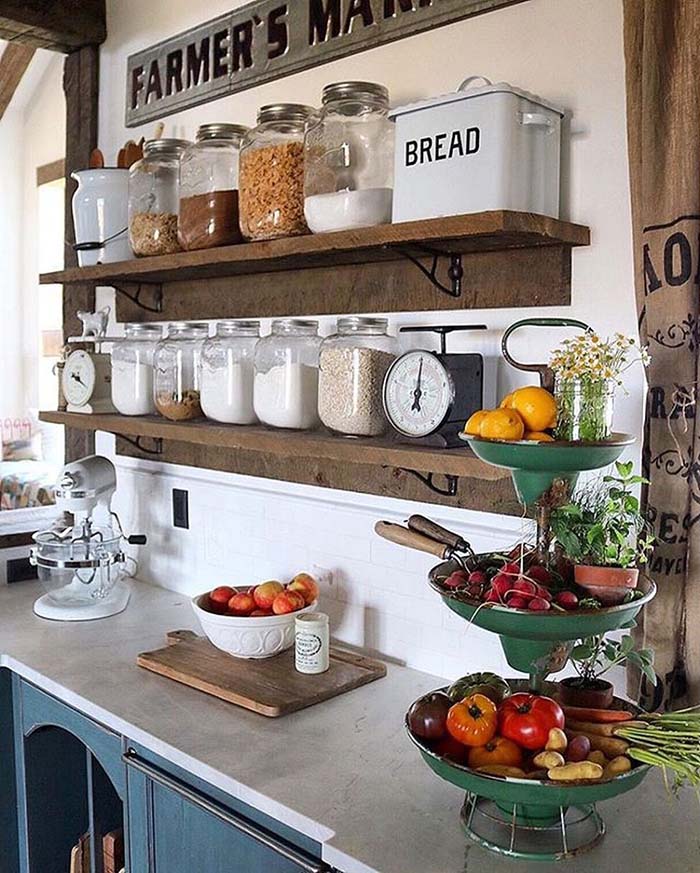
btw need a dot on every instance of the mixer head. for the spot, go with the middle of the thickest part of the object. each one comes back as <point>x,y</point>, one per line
<point>84,484</point>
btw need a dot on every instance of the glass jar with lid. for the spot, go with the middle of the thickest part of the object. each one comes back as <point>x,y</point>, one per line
<point>353,363</point>
<point>272,173</point>
<point>153,198</point>
<point>227,372</point>
<point>209,188</point>
<point>349,159</point>
<point>132,369</point>
<point>176,365</point>
<point>286,375</point>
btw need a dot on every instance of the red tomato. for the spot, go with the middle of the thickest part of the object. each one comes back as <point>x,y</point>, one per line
<point>528,718</point>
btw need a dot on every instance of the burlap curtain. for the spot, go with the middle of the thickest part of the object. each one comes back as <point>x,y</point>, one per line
<point>662,53</point>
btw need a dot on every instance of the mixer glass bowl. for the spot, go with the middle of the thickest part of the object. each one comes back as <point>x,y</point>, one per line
<point>76,572</point>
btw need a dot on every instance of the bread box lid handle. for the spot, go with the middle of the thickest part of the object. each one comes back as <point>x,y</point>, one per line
<point>470,82</point>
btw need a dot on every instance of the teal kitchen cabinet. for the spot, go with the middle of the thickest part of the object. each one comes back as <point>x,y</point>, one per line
<point>178,824</point>
<point>64,776</point>
<point>70,781</point>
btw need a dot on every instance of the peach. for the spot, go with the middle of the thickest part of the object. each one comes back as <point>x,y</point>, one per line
<point>218,598</point>
<point>288,601</point>
<point>241,604</point>
<point>306,585</point>
<point>265,593</point>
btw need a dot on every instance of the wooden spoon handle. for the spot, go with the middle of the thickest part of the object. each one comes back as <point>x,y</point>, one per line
<point>97,160</point>
<point>410,539</point>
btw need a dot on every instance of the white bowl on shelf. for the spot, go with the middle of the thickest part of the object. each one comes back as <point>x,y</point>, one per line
<point>248,636</point>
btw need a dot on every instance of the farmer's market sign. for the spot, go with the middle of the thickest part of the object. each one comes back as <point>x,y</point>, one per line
<point>268,39</point>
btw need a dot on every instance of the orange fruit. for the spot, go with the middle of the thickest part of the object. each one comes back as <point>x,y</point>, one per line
<point>502,424</point>
<point>536,406</point>
<point>473,426</point>
<point>507,401</point>
<point>539,436</point>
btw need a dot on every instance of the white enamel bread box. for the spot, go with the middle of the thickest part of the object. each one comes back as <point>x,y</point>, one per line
<point>483,147</point>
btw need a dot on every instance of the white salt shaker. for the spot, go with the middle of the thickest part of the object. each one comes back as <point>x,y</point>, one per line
<point>312,642</point>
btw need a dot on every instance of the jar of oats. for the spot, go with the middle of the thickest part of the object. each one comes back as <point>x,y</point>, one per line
<point>271,194</point>
<point>352,366</point>
<point>154,198</point>
<point>176,370</point>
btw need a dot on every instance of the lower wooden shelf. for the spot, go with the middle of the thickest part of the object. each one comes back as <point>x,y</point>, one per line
<point>372,466</point>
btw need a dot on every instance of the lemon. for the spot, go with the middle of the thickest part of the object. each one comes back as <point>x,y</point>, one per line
<point>536,406</point>
<point>538,436</point>
<point>507,401</point>
<point>502,424</point>
<point>473,426</point>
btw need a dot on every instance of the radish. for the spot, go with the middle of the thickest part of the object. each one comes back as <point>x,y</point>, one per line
<point>501,584</point>
<point>492,596</point>
<point>458,579</point>
<point>567,600</point>
<point>478,577</point>
<point>540,574</point>
<point>538,604</point>
<point>515,601</point>
<point>525,588</point>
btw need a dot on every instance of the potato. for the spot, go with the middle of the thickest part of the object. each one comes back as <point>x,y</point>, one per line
<point>575,772</point>
<point>556,741</point>
<point>578,750</point>
<point>501,770</point>
<point>617,766</point>
<point>548,760</point>
<point>610,747</point>
<point>597,757</point>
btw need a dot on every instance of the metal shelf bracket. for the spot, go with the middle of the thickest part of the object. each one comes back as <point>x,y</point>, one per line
<point>155,449</point>
<point>455,271</point>
<point>450,489</point>
<point>156,293</point>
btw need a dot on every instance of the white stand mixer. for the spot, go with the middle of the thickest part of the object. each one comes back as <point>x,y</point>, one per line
<point>82,567</point>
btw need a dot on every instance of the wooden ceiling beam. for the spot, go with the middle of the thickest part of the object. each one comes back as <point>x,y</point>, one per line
<point>13,65</point>
<point>59,25</point>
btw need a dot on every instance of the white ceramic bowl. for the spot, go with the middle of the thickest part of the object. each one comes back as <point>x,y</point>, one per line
<point>248,636</point>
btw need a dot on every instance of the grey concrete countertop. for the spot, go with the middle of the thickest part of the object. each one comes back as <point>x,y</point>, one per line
<point>343,772</point>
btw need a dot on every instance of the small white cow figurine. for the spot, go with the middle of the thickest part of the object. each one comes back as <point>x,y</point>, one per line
<point>94,323</point>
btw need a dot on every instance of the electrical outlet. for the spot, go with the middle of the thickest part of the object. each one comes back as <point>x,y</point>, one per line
<point>181,510</point>
<point>324,577</point>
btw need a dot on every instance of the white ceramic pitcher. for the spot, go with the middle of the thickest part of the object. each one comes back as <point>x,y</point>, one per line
<point>101,215</point>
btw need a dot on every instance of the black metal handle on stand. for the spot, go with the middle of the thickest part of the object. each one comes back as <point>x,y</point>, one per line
<point>546,375</point>
<point>443,330</point>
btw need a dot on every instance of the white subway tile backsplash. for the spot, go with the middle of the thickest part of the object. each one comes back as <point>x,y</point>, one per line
<point>376,594</point>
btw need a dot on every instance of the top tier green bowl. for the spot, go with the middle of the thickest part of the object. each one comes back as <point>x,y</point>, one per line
<point>534,466</point>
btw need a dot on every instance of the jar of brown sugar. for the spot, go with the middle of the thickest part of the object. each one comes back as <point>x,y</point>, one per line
<point>209,188</point>
<point>272,173</point>
<point>153,198</point>
<point>176,369</point>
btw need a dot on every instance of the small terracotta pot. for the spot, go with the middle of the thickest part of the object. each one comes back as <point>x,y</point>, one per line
<point>596,695</point>
<point>608,584</point>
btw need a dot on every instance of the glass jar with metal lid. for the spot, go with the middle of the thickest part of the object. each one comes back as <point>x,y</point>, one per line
<point>227,372</point>
<point>132,369</point>
<point>153,198</point>
<point>353,363</point>
<point>176,367</point>
<point>209,188</point>
<point>285,392</point>
<point>272,173</point>
<point>349,159</point>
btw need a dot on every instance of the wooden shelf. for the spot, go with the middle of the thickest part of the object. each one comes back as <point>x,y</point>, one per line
<point>514,259</point>
<point>375,466</point>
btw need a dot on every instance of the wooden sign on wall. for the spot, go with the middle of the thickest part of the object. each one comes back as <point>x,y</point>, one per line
<point>269,39</point>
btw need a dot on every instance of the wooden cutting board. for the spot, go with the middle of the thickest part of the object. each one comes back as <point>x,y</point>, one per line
<point>269,686</point>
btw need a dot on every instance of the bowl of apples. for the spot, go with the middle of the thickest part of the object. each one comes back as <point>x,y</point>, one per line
<point>257,621</point>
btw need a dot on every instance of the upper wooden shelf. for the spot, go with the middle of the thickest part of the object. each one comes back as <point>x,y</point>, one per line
<point>376,466</point>
<point>458,234</point>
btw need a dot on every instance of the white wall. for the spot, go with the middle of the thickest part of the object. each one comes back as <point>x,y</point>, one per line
<point>242,530</point>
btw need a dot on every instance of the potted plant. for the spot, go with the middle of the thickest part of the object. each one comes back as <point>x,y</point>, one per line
<point>592,659</point>
<point>606,536</point>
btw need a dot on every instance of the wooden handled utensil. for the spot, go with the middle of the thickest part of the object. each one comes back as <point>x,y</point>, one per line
<point>423,525</point>
<point>402,536</point>
<point>97,160</point>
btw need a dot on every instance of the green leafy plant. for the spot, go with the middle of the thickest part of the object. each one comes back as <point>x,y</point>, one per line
<point>594,656</point>
<point>604,525</point>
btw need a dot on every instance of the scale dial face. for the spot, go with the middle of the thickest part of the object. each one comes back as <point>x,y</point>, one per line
<point>79,377</point>
<point>418,393</point>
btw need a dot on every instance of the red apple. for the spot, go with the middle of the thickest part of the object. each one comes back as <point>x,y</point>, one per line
<point>265,593</point>
<point>306,586</point>
<point>288,601</point>
<point>241,604</point>
<point>218,598</point>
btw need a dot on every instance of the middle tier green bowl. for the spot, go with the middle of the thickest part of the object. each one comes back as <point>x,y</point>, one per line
<point>538,642</point>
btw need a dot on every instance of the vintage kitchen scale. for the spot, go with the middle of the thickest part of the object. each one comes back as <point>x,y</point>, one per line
<point>526,818</point>
<point>427,395</point>
<point>86,376</point>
